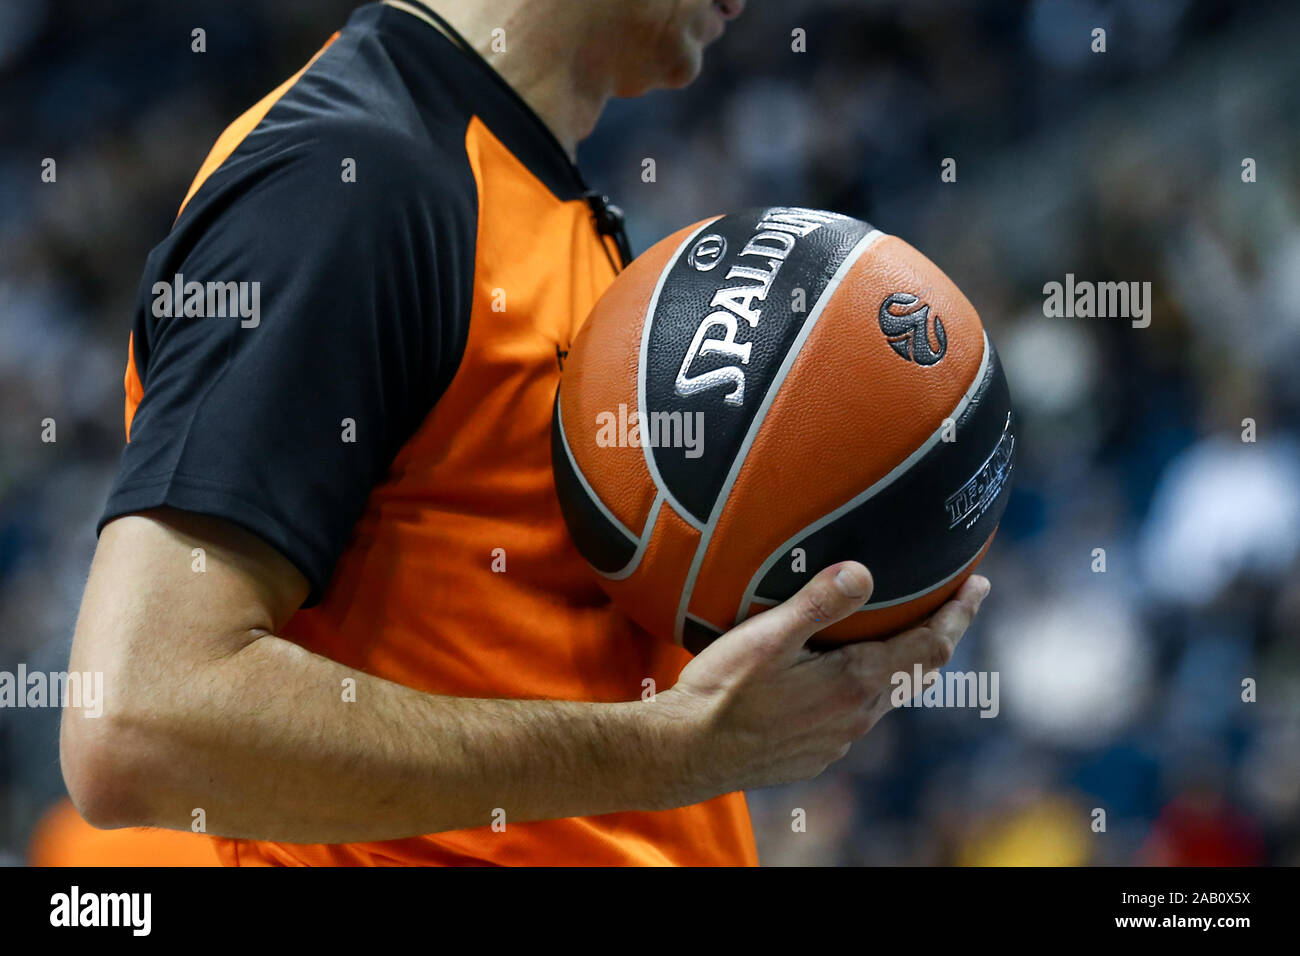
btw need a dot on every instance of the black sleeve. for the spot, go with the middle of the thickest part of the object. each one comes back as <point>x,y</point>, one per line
<point>363,300</point>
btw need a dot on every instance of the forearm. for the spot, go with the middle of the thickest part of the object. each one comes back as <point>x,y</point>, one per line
<point>266,743</point>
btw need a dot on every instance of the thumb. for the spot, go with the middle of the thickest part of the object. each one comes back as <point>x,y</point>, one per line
<point>834,594</point>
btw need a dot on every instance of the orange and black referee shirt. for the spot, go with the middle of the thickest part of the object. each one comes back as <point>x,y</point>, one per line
<point>424,256</point>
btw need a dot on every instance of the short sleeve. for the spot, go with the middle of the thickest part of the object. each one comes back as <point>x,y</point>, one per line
<point>292,332</point>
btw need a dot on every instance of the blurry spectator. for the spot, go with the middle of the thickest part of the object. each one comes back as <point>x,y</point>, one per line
<point>1200,828</point>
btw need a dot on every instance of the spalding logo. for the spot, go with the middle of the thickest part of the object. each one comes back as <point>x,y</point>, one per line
<point>743,297</point>
<point>708,252</point>
<point>908,333</point>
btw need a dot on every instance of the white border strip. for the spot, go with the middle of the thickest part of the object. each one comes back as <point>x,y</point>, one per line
<point>586,486</point>
<point>883,604</point>
<point>894,474</point>
<point>706,533</point>
<point>658,479</point>
<point>642,543</point>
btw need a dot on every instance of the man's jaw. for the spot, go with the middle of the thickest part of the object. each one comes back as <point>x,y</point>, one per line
<point>724,11</point>
<point>729,9</point>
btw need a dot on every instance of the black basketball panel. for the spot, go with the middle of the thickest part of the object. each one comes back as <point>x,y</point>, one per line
<point>605,544</point>
<point>730,309</point>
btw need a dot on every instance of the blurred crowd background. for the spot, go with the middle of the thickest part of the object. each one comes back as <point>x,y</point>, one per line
<point>1120,690</point>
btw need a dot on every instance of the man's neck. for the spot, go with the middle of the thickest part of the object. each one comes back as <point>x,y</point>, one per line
<point>541,62</point>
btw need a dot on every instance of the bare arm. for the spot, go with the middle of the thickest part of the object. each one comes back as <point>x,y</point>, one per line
<point>206,708</point>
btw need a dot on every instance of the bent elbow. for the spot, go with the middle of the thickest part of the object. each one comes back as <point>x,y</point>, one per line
<point>97,771</point>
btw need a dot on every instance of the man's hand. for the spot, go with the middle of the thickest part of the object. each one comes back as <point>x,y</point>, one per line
<point>768,710</point>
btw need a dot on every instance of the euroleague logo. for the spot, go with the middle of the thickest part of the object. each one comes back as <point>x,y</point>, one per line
<point>908,330</point>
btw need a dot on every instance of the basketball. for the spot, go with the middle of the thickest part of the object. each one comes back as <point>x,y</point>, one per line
<point>764,394</point>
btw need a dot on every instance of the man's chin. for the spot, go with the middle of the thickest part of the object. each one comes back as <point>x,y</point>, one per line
<point>668,68</point>
<point>679,71</point>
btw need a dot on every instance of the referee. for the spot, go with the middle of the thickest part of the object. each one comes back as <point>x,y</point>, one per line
<point>335,605</point>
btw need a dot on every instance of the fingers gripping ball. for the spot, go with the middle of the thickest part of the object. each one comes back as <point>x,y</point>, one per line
<point>764,394</point>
